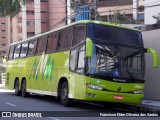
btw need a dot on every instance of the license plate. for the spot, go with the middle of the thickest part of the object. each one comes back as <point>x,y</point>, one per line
<point>117,97</point>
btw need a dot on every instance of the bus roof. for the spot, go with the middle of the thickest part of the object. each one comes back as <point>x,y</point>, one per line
<point>76,23</point>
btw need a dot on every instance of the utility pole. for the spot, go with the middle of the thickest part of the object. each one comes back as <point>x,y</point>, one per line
<point>93,9</point>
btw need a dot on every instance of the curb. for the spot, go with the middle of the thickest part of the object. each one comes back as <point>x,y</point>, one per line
<point>142,108</point>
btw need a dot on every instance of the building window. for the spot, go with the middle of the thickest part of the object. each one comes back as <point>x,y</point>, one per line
<point>3,30</point>
<point>30,23</point>
<point>43,11</point>
<point>3,45</point>
<point>43,22</point>
<point>3,23</point>
<point>3,37</point>
<point>30,12</point>
<point>44,0</point>
<point>29,34</point>
<point>3,52</point>
<point>30,1</point>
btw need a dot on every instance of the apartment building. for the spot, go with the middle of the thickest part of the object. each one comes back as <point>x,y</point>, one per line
<point>4,35</point>
<point>37,16</point>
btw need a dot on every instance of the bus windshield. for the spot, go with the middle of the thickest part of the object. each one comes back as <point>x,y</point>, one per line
<point>114,34</point>
<point>117,61</point>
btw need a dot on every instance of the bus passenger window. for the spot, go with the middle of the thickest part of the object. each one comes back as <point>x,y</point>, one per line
<point>24,50</point>
<point>52,42</point>
<point>65,39</point>
<point>41,45</point>
<point>32,46</point>
<point>79,35</point>
<point>17,51</point>
<point>11,52</point>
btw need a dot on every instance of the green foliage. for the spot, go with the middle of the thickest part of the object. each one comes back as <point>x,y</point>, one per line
<point>10,7</point>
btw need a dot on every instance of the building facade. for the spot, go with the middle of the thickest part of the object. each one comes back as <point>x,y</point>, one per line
<point>4,35</point>
<point>37,16</point>
<point>152,8</point>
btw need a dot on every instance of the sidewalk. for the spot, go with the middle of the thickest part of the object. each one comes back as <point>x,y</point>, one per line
<point>150,105</point>
<point>2,86</point>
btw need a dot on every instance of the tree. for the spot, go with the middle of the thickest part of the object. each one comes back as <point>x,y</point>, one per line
<point>10,8</point>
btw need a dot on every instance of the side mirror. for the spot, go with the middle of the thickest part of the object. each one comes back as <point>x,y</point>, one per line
<point>155,56</point>
<point>89,47</point>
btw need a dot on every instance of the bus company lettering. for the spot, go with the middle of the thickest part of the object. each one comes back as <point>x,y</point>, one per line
<point>42,67</point>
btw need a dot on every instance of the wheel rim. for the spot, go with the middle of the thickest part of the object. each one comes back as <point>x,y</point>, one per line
<point>64,94</point>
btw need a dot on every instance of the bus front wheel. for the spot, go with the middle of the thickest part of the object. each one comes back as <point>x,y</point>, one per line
<point>65,101</point>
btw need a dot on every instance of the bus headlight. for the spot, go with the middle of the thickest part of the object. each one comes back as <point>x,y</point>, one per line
<point>138,91</point>
<point>94,87</point>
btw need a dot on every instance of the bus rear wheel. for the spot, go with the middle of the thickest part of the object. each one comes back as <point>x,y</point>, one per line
<point>23,89</point>
<point>65,101</point>
<point>17,91</point>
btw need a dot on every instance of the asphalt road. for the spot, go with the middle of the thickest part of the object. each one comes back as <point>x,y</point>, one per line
<point>34,103</point>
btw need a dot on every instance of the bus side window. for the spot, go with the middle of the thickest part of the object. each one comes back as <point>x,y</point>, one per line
<point>65,39</point>
<point>41,44</point>
<point>11,52</point>
<point>79,35</point>
<point>24,50</point>
<point>73,56</point>
<point>80,59</point>
<point>17,51</point>
<point>32,47</point>
<point>52,42</point>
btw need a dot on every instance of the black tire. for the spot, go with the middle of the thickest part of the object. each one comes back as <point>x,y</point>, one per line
<point>16,88</point>
<point>65,101</point>
<point>23,89</point>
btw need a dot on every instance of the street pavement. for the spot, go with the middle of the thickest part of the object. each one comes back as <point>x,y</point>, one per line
<point>34,103</point>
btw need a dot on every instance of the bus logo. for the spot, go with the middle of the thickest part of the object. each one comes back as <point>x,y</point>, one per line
<point>116,72</point>
<point>43,67</point>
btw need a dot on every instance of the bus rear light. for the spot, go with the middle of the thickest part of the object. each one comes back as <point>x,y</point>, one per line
<point>138,91</point>
<point>94,87</point>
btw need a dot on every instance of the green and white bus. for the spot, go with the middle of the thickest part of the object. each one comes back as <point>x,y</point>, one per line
<point>86,60</point>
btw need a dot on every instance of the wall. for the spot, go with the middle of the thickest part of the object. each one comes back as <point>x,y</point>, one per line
<point>152,85</point>
<point>151,11</point>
